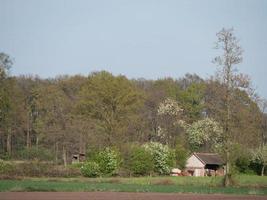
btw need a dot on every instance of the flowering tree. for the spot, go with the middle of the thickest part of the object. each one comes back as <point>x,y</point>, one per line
<point>205,131</point>
<point>162,157</point>
<point>260,156</point>
<point>169,115</point>
<point>169,107</point>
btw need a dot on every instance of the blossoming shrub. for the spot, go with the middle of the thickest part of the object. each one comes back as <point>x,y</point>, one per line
<point>105,162</point>
<point>108,161</point>
<point>90,169</point>
<point>162,156</point>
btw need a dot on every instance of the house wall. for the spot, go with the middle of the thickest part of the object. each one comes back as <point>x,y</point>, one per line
<point>194,162</point>
<point>194,165</point>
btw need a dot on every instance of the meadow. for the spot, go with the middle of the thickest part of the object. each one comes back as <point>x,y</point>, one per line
<point>245,185</point>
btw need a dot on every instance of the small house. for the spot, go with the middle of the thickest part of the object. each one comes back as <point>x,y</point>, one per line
<point>205,164</point>
<point>79,157</point>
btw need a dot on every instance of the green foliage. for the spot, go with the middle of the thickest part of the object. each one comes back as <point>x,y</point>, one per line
<point>163,157</point>
<point>247,185</point>
<point>259,159</point>
<point>35,153</point>
<point>112,101</point>
<point>75,165</point>
<point>108,161</point>
<point>90,169</point>
<point>67,114</point>
<point>192,99</point>
<point>5,156</point>
<point>256,166</point>
<point>5,167</point>
<point>38,169</point>
<point>243,161</point>
<point>140,162</point>
<point>168,86</point>
<point>181,155</point>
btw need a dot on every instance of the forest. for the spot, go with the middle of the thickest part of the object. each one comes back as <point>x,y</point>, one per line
<point>53,119</point>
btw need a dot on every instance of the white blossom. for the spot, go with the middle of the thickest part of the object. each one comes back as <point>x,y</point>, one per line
<point>169,107</point>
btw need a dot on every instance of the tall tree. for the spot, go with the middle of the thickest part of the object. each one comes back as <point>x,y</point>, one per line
<point>169,119</point>
<point>5,65</point>
<point>231,81</point>
<point>112,102</point>
<point>55,122</point>
<point>5,100</point>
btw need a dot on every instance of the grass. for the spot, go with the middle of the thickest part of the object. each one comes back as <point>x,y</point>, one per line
<point>206,185</point>
<point>241,180</point>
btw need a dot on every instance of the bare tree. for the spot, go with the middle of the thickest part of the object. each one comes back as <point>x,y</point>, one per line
<point>231,81</point>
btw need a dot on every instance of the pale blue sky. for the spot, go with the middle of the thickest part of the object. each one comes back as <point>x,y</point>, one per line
<point>138,38</point>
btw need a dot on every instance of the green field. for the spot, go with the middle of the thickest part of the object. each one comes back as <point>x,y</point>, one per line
<point>245,185</point>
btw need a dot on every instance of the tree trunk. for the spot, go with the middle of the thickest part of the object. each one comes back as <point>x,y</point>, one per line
<point>28,140</point>
<point>227,177</point>
<point>262,170</point>
<point>3,142</point>
<point>37,141</point>
<point>64,155</point>
<point>82,144</point>
<point>56,152</point>
<point>8,141</point>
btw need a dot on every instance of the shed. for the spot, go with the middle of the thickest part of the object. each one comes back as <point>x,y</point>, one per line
<point>205,164</point>
<point>78,157</point>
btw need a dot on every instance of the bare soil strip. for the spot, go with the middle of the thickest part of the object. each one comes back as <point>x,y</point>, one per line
<point>118,196</point>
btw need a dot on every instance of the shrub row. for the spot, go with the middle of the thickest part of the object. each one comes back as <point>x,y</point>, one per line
<point>36,169</point>
<point>104,162</point>
<point>139,160</point>
<point>151,158</point>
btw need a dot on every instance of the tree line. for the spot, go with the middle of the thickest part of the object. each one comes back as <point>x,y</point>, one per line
<point>79,114</point>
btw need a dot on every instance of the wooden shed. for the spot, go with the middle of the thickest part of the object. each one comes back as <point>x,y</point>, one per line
<point>78,157</point>
<point>205,164</point>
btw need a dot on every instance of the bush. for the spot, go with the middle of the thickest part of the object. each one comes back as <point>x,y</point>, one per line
<point>242,164</point>
<point>75,165</point>
<point>5,156</point>
<point>140,162</point>
<point>38,169</point>
<point>108,161</point>
<point>163,157</point>
<point>33,168</point>
<point>90,169</point>
<point>5,168</point>
<point>181,155</point>
<point>34,153</point>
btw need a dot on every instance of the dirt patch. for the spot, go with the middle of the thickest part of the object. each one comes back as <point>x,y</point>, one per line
<point>117,196</point>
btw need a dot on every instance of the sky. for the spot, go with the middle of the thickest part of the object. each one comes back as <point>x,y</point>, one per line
<point>138,38</point>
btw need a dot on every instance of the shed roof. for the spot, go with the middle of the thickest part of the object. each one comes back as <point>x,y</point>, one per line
<point>209,158</point>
